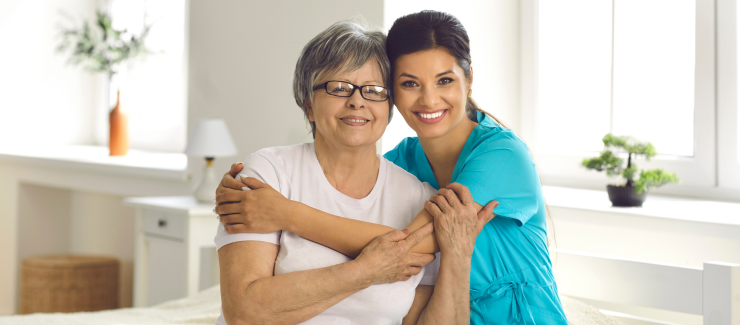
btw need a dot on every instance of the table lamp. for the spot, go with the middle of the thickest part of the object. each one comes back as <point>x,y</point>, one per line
<point>209,139</point>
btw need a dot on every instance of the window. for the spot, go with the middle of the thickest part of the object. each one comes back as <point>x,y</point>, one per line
<point>153,90</point>
<point>631,67</point>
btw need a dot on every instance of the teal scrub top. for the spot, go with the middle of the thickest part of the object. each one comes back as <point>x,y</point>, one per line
<point>511,280</point>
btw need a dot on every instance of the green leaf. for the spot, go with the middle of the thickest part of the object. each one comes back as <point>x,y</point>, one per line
<point>654,178</point>
<point>629,173</point>
<point>607,161</point>
<point>629,144</point>
<point>103,49</point>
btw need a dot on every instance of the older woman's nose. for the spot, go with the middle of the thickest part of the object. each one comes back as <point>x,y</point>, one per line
<point>356,101</point>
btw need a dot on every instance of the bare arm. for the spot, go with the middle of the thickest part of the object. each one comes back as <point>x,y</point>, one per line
<point>448,302</point>
<point>445,302</point>
<point>264,210</point>
<point>251,293</point>
<point>349,236</point>
<point>458,220</point>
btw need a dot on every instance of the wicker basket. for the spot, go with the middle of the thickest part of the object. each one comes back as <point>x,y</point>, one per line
<point>68,283</point>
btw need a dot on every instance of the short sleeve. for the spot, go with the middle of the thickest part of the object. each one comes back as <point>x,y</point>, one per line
<point>502,169</point>
<point>430,272</point>
<point>259,167</point>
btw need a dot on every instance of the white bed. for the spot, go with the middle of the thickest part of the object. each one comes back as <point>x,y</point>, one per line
<point>713,291</point>
<point>204,307</point>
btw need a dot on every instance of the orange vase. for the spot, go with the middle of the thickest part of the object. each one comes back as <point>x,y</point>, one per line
<point>118,140</point>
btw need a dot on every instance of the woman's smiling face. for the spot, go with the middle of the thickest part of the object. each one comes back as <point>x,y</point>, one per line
<point>350,121</point>
<point>430,91</point>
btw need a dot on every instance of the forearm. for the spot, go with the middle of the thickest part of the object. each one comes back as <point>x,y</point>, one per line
<point>349,236</point>
<point>295,297</point>
<point>450,302</point>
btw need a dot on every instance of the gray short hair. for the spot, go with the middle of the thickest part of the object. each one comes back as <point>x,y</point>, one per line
<point>344,46</point>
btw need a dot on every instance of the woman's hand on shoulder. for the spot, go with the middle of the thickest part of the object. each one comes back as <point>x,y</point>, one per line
<point>458,219</point>
<point>254,208</point>
<point>388,258</point>
<point>229,180</point>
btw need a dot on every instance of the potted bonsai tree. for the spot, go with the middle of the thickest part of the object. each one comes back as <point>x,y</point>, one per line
<point>634,191</point>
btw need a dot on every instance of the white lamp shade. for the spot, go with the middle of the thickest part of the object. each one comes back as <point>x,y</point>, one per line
<point>210,138</point>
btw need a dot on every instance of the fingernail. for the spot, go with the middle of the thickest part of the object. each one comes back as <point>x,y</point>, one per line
<point>218,218</point>
<point>223,227</point>
<point>214,199</point>
<point>246,188</point>
<point>243,176</point>
<point>214,210</point>
<point>239,163</point>
<point>405,231</point>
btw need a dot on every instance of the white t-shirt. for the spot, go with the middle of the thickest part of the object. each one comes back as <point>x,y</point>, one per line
<point>395,200</point>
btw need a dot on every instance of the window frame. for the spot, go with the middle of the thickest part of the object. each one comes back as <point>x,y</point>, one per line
<point>727,90</point>
<point>699,174</point>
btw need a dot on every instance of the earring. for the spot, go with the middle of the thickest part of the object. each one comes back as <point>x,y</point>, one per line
<point>470,92</point>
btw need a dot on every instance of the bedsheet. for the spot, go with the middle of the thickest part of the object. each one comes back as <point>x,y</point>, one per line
<point>204,307</point>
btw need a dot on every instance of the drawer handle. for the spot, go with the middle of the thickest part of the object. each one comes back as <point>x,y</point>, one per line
<point>162,223</point>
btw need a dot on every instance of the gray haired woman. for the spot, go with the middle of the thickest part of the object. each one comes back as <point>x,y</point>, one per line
<point>341,83</point>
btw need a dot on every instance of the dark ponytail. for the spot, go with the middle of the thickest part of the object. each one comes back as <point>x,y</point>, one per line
<point>430,29</point>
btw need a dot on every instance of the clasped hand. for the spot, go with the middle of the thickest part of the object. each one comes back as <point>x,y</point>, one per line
<point>457,220</point>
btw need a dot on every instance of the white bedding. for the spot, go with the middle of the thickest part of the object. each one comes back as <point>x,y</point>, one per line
<point>204,307</point>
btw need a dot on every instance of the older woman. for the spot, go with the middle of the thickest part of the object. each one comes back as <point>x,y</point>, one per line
<point>340,84</point>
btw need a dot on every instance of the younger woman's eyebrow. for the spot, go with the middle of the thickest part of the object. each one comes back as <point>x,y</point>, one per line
<point>415,77</point>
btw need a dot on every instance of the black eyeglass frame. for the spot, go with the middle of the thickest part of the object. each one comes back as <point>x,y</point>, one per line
<point>354,87</point>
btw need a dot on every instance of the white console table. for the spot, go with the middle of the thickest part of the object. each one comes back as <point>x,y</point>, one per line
<point>170,261</point>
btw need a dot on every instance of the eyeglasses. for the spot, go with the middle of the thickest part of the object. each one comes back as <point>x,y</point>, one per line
<point>346,89</point>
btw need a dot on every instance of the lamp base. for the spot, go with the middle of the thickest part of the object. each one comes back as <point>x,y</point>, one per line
<point>205,191</point>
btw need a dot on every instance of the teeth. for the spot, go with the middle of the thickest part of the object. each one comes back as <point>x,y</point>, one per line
<point>354,120</point>
<point>431,116</point>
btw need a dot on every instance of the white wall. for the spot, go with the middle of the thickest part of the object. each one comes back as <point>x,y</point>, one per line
<point>101,225</point>
<point>493,28</point>
<point>242,57</point>
<point>42,100</point>
<point>43,228</point>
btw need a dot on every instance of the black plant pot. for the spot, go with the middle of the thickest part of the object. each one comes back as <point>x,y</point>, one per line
<point>625,196</point>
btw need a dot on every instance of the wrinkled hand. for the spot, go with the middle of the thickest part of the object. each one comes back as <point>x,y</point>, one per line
<point>259,210</point>
<point>457,222</point>
<point>388,258</point>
